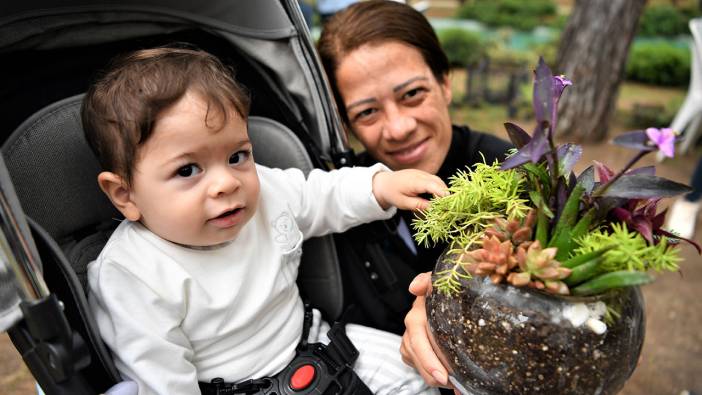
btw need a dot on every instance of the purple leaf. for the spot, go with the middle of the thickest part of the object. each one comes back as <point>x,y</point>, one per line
<point>538,145</point>
<point>649,170</point>
<point>587,179</point>
<point>515,160</point>
<point>517,135</point>
<point>642,186</point>
<point>643,226</point>
<point>531,152</point>
<point>659,219</point>
<point>636,139</point>
<point>621,214</point>
<point>568,156</point>
<point>543,92</point>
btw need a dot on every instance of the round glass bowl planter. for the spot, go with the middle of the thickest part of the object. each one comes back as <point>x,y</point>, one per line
<point>500,339</point>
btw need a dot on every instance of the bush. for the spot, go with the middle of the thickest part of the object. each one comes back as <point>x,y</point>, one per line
<point>663,20</point>
<point>659,63</point>
<point>650,115</point>
<point>518,14</point>
<point>462,47</point>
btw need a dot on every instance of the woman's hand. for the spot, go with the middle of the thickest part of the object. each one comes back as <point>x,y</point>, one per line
<point>402,188</point>
<point>416,348</point>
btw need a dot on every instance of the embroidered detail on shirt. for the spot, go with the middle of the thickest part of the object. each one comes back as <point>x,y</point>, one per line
<point>286,232</point>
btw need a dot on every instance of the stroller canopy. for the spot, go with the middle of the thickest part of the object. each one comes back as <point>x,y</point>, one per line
<point>45,42</point>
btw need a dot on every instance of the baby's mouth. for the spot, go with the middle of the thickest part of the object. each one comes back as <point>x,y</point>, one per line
<point>228,213</point>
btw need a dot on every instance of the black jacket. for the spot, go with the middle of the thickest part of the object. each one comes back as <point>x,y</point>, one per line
<point>377,265</point>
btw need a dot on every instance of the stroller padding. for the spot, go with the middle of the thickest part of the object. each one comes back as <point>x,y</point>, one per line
<point>55,173</point>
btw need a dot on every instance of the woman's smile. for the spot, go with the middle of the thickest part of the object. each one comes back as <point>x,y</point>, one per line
<point>410,154</point>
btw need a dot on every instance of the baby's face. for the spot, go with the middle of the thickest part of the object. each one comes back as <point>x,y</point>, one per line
<point>195,182</point>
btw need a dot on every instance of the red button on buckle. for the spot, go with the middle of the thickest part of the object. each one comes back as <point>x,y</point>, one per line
<point>302,378</point>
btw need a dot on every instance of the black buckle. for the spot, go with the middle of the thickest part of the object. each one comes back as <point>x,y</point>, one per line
<point>252,386</point>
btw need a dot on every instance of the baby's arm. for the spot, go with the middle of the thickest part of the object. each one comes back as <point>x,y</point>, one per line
<point>403,188</point>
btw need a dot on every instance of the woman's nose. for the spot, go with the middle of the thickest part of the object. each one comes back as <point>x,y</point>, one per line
<point>398,125</point>
<point>223,183</point>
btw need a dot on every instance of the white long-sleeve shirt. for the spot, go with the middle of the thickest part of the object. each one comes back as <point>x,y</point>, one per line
<point>173,315</point>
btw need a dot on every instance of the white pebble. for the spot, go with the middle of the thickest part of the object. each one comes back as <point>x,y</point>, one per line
<point>481,322</point>
<point>597,326</point>
<point>576,313</point>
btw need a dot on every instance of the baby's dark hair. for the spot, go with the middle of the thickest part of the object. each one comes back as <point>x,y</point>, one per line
<point>120,109</point>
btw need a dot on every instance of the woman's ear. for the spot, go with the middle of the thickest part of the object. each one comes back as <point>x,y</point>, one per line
<point>446,88</point>
<point>117,190</point>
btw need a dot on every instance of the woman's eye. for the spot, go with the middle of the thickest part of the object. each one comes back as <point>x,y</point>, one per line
<point>413,93</point>
<point>364,114</point>
<point>188,170</point>
<point>239,157</point>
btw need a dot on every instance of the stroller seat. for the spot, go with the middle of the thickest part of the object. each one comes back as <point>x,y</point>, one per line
<point>54,173</point>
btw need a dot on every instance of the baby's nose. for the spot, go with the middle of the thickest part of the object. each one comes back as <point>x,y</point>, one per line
<point>224,183</point>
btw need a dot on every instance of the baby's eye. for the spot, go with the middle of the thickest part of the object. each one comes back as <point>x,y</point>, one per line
<point>239,157</point>
<point>188,170</point>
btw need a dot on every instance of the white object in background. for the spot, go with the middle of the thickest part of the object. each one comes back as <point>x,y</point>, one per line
<point>687,120</point>
<point>683,217</point>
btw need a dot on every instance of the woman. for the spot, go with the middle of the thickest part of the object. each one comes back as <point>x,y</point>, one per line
<point>390,79</point>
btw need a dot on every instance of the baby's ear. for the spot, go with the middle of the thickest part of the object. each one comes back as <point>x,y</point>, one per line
<point>117,190</point>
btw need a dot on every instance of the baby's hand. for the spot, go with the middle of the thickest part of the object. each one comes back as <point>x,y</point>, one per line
<point>402,188</point>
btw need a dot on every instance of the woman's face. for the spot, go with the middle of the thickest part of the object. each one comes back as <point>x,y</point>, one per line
<point>395,105</point>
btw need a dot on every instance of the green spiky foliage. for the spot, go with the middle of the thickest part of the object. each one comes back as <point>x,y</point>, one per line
<point>628,250</point>
<point>476,197</point>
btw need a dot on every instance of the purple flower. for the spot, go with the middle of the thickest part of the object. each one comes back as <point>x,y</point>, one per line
<point>664,139</point>
<point>559,84</point>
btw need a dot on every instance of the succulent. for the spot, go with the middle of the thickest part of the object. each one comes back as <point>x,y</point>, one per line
<point>516,231</point>
<point>495,259</point>
<point>540,269</point>
<point>509,255</point>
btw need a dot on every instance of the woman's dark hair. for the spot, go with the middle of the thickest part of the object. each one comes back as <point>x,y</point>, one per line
<point>120,110</point>
<point>375,22</point>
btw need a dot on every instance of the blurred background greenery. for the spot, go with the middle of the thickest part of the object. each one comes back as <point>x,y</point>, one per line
<point>494,44</point>
<point>514,33</point>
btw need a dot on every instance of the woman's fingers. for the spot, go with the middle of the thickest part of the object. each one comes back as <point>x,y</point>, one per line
<point>421,284</point>
<point>416,348</point>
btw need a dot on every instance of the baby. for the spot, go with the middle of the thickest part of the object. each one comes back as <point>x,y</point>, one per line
<point>198,282</point>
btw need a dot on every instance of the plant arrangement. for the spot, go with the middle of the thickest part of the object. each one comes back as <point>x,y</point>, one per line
<point>565,252</point>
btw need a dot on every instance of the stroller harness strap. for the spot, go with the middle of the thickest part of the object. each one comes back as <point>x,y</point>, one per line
<point>320,369</point>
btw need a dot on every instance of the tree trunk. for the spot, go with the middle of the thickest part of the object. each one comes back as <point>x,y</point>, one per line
<point>593,51</point>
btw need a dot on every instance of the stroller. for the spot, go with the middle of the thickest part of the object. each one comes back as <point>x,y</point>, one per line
<point>54,219</point>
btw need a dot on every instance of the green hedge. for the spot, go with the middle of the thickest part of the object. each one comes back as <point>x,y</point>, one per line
<point>659,64</point>
<point>518,14</point>
<point>665,20</point>
<point>462,47</point>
